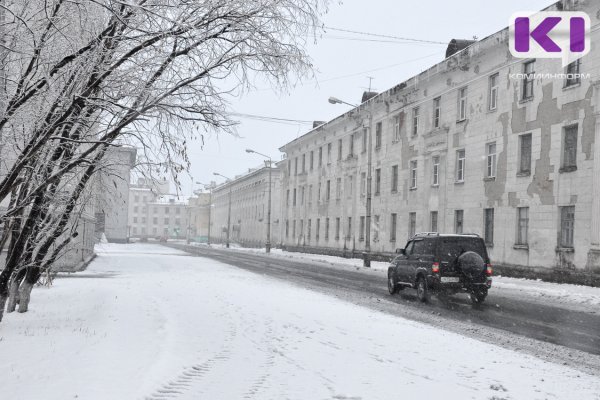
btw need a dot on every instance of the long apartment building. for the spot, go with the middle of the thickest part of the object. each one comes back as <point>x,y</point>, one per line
<point>249,208</point>
<point>476,143</point>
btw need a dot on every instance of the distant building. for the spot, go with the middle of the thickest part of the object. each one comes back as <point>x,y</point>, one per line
<point>199,216</point>
<point>249,208</point>
<point>112,186</point>
<point>155,214</point>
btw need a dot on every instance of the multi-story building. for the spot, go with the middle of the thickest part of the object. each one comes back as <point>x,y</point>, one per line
<point>480,142</point>
<point>112,192</point>
<point>199,216</point>
<point>249,208</point>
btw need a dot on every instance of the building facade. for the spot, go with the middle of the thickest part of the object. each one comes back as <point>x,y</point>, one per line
<point>249,208</point>
<point>199,216</point>
<point>481,142</point>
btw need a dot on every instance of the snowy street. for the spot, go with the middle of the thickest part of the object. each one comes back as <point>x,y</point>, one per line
<point>149,322</point>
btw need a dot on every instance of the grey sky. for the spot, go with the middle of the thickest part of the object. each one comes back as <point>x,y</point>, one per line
<point>337,55</point>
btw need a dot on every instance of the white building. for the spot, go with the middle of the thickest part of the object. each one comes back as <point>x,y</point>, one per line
<point>473,144</point>
<point>249,208</point>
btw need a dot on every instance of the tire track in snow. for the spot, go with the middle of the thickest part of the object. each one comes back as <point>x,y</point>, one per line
<point>190,375</point>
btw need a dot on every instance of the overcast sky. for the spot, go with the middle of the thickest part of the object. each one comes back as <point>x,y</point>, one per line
<point>342,62</point>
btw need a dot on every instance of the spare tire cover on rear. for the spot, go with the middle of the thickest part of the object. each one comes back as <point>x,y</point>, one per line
<point>470,263</point>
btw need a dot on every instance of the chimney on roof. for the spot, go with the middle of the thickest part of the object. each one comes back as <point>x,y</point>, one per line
<point>457,45</point>
<point>367,96</point>
<point>317,123</point>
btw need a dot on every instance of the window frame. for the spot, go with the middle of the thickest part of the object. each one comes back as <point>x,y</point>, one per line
<point>459,176</point>
<point>437,112</point>
<point>528,82</point>
<point>462,104</point>
<point>413,174</point>
<point>522,226</point>
<point>494,87</point>
<point>435,171</point>
<point>491,160</point>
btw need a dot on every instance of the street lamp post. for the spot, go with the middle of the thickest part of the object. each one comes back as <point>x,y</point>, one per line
<point>210,189</point>
<point>229,208</point>
<point>367,253</point>
<point>270,163</point>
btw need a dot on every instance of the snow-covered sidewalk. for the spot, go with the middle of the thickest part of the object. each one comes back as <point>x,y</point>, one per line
<point>577,297</point>
<point>146,321</point>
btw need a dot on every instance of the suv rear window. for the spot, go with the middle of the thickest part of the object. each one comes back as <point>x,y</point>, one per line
<point>450,248</point>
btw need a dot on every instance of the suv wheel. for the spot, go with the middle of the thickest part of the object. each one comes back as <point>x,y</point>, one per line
<point>478,296</point>
<point>392,287</point>
<point>422,289</point>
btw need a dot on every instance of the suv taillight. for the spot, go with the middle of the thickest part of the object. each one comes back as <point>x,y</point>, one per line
<point>488,269</point>
<point>435,267</point>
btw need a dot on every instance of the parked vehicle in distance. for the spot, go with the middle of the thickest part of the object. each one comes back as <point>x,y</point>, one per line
<point>448,263</point>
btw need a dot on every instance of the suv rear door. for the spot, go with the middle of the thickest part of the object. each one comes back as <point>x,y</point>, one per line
<point>402,265</point>
<point>449,248</point>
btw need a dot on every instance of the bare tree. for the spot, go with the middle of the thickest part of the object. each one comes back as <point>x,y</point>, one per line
<point>84,75</point>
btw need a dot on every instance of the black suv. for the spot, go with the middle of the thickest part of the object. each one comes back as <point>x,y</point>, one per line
<point>442,263</point>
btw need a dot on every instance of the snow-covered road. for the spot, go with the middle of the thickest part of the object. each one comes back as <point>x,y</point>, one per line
<point>145,321</point>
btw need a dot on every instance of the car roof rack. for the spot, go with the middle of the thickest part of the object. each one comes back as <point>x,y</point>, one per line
<point>421,234</point>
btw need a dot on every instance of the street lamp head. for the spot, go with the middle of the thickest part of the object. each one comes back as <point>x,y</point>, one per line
<point>216,174</point>
<point>334,100</point>
<point>249,151</point>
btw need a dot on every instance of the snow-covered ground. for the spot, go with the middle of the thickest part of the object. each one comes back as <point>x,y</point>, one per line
<point>577,297</point>
<point>145,321</point>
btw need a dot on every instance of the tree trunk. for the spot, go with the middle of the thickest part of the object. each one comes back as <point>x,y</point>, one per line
<point>13,295</point>
<point>25,295</point>
<point>3,299</point>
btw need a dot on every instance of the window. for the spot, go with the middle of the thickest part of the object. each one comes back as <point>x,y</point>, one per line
<point>573,77</point>
<point>460,165</point>
<point>567,226</point>
<point>135,220</point>
<point>293,229</point>
<point>329,146</point>
<point>136,198</point>
<point>493,98</point>
<point>488,226</point>
<point>155,220</point>
<point>462,104</point>
<point>351,146</point>
<point>522,225</point>
<point>397,128</point>
<point>143,220</point>
<point>393,224</point>
<point>377,181</point>
<point>166,210</point>
<point>413,174</point>
<point>363,183</point>
<point>339,156</point>
<point>338,188</point>
<point>302,189</point>
<point>394,178</point>
<point>294,198</point>
<point>155,210</point>
<point>326,228</point>
<point>308,226</point>
<point>312,160</point>
<point>320,156</point>
<point>349,231</point>
<point>318,228</point>
<point>135,209</point>
<point>491,160</point>
<point>310,194</point>
<point>328,191</point>
<point>378,128</point>
<point>433,217</point>
<point>319,193</point>
<point>437,112</point>
<point>301,230</point>
<point>415,119</point>
<point>412,224</point>
<point>287,198</point>
<point>144,199</point>
<point>458,221</point>
<point>569,149</point>
<point>166,221</point>
<point>349,186</point>
<point>303,163</point>
<point>528,73</point>
<point>435,179</point>
<point>375,228</point>
<point>296,166</point>
<point>177,221</point>
<point>525,154</point>
<point>134,230</point>
<point>364,140</point>
<point>178,211</point>
<point>337,228</point>
<point>361,229</point>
